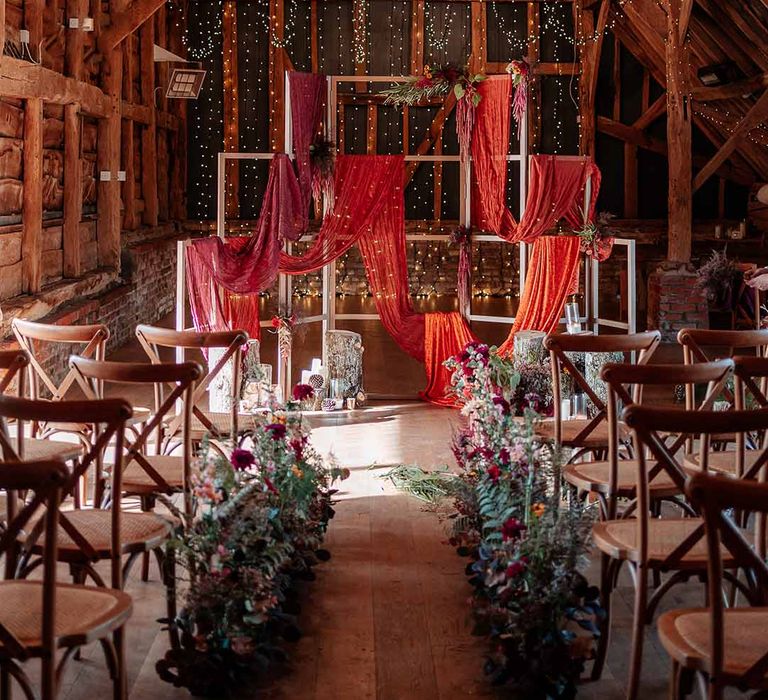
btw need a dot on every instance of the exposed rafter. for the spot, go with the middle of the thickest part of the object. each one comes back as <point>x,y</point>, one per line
<point>128,21</point>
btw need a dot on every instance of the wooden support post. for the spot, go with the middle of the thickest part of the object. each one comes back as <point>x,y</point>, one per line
<point>678,140</point>
<point>372,129</point>
<point>2,24</point>
<point>127,140</point>
<point>73,191</point>
<point>73,58</point>
<point>479,57</point>
<point>32,202</point>
<point>178,174</point>
<point>417,37</point>
<point>33,21</point>
<point>149,132</point>
<point>276,76</point>
<point>108,160</point>
<point>593,34</point>
<point>231,110</point>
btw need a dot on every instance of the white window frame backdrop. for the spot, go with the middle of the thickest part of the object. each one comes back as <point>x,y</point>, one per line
<point>329,316</point>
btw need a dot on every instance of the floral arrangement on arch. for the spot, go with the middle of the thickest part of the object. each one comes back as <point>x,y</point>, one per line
<point>525,542</point>
<point>283,324</point>
<point>597,236</point>
<point>440,81</point>
<point>259,524</point>
<point>519,70</point>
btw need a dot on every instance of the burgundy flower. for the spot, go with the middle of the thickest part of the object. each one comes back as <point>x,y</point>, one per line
<point>502,404</point>
<point>242,459</point>
<point>512,529</point>
<point>517,567</point>
<point>302,392</point>
<point>278,430</point>
<point>494,473</point>
<point>298,447</point>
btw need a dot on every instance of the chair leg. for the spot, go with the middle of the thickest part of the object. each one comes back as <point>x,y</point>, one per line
<point>48,676</point>
<point>169,579</point>
<point>5,684</point>
<point>145,506</point>
<point>606,592</point>
<point>638,632</point>
<point>120,682</point>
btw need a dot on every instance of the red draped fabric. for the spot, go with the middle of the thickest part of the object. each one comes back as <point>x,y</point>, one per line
<point>556,185</point>
<point>308,93</point>
<point>364,185</point>
<point>553,274</point>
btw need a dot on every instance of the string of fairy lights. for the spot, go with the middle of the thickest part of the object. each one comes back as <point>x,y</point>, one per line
<point>343,40</point>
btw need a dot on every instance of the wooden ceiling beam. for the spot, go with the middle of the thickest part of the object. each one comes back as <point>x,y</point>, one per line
<point>731,90</point>
<point>652,113</point>
<point>636,137</point>
<point>22,80</point>
<point>128,21</point>
<point>755,115</point>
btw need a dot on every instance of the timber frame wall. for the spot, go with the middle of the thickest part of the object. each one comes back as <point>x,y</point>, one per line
<point>649,48</point>
<point>81,104</point>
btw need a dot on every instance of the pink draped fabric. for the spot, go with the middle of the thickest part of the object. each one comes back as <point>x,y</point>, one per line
<point>557,185</point>
<point>308,93</point>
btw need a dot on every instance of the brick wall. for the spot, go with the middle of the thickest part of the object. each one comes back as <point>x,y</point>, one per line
<point>674,302</point>
<point>145,294</point>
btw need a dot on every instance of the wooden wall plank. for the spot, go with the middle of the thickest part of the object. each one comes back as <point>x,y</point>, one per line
<point>277,76</point>
<point>32,202</point>
<point>417,37</point>
<point>73,58</point>
<point>149,132</point>
<point>73,191</point>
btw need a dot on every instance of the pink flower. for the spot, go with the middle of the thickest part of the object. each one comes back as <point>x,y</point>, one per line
<point>512,529</point>
<point>302,392</point>
<point>278,430</point>
<point>242,459</point>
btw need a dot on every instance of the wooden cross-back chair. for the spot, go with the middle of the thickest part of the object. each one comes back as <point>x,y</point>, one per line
<point>151,475</point>
<point>216,425</point>
<point>38,618</point>
<point>614,534</point>
<point>676,545</point>
<point>724,646</point>
<point>586,435</point>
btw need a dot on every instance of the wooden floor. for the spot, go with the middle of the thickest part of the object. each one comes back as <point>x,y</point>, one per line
<point>387,617</point>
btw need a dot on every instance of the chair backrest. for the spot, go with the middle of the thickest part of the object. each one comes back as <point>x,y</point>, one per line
<point>714,496</point>
<point>181,379</point>
<point>108,418</point>
<point>12,362</point>
<point>42,483</point>
<point>625,383</point>
<point>232,343</point>
<point>644,344</point>
<point>703,345</point>
<point>650,425</point>
<point>30,333</point>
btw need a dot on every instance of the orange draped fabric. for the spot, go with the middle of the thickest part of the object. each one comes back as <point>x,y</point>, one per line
<point>445,335</point>
<point>553,273</point>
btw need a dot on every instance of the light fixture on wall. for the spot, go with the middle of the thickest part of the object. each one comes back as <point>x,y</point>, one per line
<point>185,83</point>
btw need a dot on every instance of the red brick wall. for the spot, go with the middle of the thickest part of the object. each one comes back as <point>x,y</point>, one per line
<point>674,302</point>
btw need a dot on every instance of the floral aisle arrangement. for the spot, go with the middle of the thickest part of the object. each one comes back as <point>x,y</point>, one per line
<point>525,542</point>
<point>260,518</point>
<point>440,81</point>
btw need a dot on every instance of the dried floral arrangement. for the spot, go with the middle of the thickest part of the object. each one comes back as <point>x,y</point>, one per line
<point>597,236</point>
<point>717,277</point>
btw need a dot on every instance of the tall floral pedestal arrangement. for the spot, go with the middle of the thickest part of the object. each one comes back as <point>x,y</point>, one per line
<point>344,350</point>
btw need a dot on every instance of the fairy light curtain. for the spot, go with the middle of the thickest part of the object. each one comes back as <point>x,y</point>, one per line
<point>369,211</point>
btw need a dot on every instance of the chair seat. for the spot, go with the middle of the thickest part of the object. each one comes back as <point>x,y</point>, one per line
<point>83,614</point>
<point>722,462</point>
<point>222,423</point>
<point>594,476</point>
<point>139,532</point>
<point>137,480</point>
<point>618,539</point>
<point>685,634</point>
<point>41,449</point>
<point>597,439</point>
